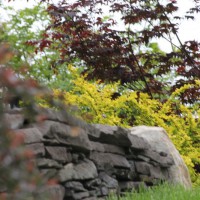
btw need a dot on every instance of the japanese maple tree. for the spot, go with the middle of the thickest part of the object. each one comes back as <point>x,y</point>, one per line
<point>78,29</point>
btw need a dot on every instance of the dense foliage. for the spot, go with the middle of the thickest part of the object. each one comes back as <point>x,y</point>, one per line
<point>127,80</point>
<point>97,103</point>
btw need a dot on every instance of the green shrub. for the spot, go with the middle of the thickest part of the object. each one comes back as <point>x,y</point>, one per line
<point>97,105</point>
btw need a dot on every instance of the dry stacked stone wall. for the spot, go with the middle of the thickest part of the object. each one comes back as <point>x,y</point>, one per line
<point>89,161</point>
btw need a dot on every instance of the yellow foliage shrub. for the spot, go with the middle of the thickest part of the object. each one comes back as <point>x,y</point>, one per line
<point>96,105</point>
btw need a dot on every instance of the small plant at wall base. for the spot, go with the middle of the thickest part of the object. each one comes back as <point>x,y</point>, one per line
<point>162,192</point>
<point>96,104</point>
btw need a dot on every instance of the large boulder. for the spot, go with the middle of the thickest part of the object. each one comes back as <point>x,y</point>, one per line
<point>161,144</point>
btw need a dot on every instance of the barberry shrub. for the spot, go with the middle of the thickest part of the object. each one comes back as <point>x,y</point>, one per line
<point>98,103</point>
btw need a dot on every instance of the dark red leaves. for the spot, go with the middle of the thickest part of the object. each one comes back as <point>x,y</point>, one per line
<point>111,54</point>
<point>180,69</point>
<point>44,43</point>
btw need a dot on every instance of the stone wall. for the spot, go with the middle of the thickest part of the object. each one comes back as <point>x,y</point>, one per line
<point>92,161</point>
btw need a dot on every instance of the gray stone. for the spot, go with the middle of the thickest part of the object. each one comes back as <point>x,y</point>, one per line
<point>156,172</point>
<point>75,186</point>
<point>97,146</point>
<point>48,163</point>
<point>112,135</point>
<point>93,132</point>
<point>82,171</point>
<point>108,180</point>
<point>123,174</point>
<point>120,136</point>
<point>130,185</point>
<point>14,121</point>
<point>160,142</point>
<point>44,126</point>
<point>109,148</point>
<point>93,193</point>
<point>51,142</point>
<point>164,161</point>
<point>144,158</point>
<point>59,153</point>
<point>108,159</point>
<point>104,191</point>
<point>138,143</point>
<point>142,168</point>
<point>90,198</point>
<point>37,149</point>
<point>93,184</point>
<point>31,135</point>
<point>71,136</point>
<point>106,148</point>
<point>80,195</point>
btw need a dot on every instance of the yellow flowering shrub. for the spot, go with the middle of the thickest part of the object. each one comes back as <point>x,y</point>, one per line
<point>97,105</point>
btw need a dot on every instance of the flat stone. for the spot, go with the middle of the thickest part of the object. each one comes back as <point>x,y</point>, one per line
<point>124,174</point>
<point>156,172</point>
<point>48,163</point>
<point>75,186</point>
<point>104,191</point>
<point>44,126</point>
<point>109,148</point>
<point>108,159</point>
<point>106,148</point>
<point>120,137</point>
<point>31,135</point>
<point>80,195</point>
<point>93,132</point>
<point>108,180</point>
<point>93,184</point>
<point>138,143</point>
<point>130,185</point>
<point>37,149</point>
<point>142,157</point>
<point>51,142</point>
<point>14,121</point>
<point>83,171</point>
<point>142,168</point>
<point>112,135</point>
<point>164,161</point>
<point>97,146</point>
<point>90,198</point>
<point>71,136</point>
<point>59,154</point>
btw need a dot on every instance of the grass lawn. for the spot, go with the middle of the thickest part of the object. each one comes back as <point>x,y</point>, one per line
<point>163,192</point>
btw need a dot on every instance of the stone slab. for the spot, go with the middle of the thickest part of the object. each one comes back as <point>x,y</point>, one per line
<point>37,149</point>
<point>31,135</point>
<point>59,154</point>
<point>107,159</point>
<point>83,171</point>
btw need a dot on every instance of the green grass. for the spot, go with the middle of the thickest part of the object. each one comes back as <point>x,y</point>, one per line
<point>162,192</point>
